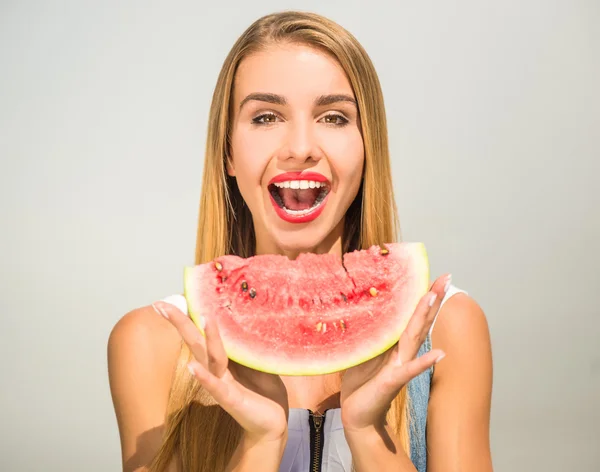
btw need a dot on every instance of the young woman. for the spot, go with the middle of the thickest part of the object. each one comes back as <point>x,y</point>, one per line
<point>297,94</point>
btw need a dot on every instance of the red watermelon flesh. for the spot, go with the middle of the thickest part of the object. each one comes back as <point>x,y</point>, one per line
<point>313,315</point>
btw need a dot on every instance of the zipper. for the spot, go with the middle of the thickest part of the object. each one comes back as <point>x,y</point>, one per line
<point>316,440</point>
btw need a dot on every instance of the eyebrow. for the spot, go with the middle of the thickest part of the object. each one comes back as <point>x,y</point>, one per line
<point>325,100</point>
<point>264,97</point>
<point>275,99</point>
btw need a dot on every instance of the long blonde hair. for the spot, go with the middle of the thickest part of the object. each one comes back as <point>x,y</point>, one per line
<point>199,434</point>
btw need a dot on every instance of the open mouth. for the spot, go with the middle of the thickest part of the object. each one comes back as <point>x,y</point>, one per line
<point>299,197</point>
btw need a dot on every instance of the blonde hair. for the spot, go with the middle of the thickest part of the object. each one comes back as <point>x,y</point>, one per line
<point>199,434</point>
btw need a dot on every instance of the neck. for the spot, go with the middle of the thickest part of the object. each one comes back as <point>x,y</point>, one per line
<point>316,393</point>
<point>332,244</point>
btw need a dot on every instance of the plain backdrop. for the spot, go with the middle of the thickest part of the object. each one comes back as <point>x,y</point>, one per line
<point>494,121</point>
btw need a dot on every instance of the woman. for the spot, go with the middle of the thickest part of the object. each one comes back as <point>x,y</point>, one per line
<point>298,94</point>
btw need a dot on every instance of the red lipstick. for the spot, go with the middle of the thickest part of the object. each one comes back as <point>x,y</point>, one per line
<point>301,216</point>
<point>298,176</point>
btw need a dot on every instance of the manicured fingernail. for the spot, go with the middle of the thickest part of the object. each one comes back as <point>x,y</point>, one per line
<point>432,299</point>
<point>440,358</point>
<point>191,369</point>
<point>160,311</point>
<point>448,282</point>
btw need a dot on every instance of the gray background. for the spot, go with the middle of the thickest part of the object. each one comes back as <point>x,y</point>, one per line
<point>494,119</point>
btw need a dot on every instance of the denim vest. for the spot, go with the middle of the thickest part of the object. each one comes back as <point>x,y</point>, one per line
<point>418,394</point>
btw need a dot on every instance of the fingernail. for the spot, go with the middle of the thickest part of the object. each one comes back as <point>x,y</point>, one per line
<point>448,282</point>
<point>160,311</point>
<point>432,299</point>
<point>440,357</point>
<point>202,322</point>
<point>191,369</point>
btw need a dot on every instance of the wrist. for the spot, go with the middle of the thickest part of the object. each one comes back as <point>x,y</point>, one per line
<point>376,447</point>
<point>250,441</point>
<point>369,433</point>
<point>369,429</point>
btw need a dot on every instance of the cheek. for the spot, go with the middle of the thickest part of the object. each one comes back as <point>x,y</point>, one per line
<point>346,154</point>
<point>250,155</point>
<point>252,148</point>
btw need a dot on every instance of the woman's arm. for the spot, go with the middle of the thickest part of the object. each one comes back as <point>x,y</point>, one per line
<point>142,353</point>
<point>378,449</point>
<point>460,400</point>
<point>459,407</point>
<point>143,349</point>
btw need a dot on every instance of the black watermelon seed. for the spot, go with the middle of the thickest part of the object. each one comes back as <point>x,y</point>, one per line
<point>244,286</point>
<point>384,252</point>
<point>252,293</point>
<point>344,297</point>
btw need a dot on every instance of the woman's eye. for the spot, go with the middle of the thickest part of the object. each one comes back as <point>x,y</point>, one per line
<point>270,118</point>
<point>265,118</point>
<point>335,119</point>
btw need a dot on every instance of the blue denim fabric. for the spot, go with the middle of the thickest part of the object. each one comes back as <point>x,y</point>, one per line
<point>418,394</point>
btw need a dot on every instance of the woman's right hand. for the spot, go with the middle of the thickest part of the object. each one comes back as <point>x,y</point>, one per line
<point>256,400</point>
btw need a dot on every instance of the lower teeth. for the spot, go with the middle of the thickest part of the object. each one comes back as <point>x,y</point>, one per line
<point>298,212</point>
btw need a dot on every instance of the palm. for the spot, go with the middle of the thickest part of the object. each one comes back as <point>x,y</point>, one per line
<point>256,400</point>
<point>357,376</point>
<point>369,388</point>
<point>356,383</point>
<point>260,396</point>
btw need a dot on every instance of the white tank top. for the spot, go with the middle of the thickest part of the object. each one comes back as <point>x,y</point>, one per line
<point>302,438</point>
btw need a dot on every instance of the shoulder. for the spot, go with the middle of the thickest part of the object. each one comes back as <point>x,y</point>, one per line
<point>143,335</point>
<point>460,322</point>
<point>140,342</point>
<point>462,332</point>
<point>142,352</point>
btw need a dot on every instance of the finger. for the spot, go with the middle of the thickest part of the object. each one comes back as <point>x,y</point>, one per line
<point>440,288</point>
<point>240,402</point>
<point>422,319</point>
<point>217,356</point>
<point>379,391</point>
<point>398,374</point>
<point>190,333</point>
<point>401,373</point>
<point>225,393</point>
<point>416,331</point>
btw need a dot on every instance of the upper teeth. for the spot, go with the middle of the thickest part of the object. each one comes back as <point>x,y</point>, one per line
<point>302,184</point>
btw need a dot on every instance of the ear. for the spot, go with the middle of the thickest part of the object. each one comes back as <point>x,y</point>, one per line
<point>229,166</point>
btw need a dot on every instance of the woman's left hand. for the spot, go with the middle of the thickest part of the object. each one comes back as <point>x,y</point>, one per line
<point>368,389</point>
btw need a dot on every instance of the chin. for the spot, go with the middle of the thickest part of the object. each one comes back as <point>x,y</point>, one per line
<point>318,236</point>
<point>298,242</point>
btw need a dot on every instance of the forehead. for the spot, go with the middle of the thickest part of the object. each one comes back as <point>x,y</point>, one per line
<point>292,70</point>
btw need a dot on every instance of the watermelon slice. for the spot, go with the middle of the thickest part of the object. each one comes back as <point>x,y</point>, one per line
<point>313,315</point>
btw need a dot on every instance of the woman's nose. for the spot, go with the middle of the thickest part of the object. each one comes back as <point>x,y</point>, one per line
<point>300,144</point>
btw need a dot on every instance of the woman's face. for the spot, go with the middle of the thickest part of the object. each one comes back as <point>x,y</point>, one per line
<point>296,148</point>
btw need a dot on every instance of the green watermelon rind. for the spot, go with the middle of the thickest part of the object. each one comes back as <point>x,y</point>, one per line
<point>420,261</point>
